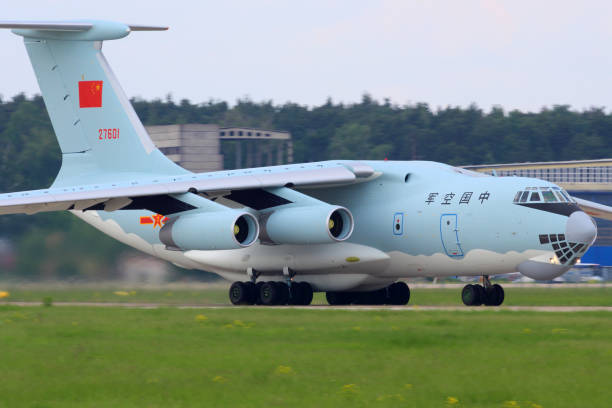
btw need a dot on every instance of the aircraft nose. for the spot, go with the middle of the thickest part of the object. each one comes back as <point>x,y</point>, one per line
<point>580,228</point>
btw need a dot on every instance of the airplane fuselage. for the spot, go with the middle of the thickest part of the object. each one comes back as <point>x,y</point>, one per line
<point>411,219</point>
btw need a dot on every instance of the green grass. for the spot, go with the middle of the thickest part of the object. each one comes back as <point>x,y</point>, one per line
<point>515,296</point>
<point>254,357</point>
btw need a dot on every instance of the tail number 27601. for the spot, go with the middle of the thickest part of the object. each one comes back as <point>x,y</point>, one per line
<point>108,134</point>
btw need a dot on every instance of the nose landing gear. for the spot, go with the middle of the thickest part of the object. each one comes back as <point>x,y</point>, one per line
<point>489,295</point>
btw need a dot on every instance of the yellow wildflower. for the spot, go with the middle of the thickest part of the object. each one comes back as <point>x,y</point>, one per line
<point>201,318</point>
<point>559,330</point>
<point>408,386</point>
<point>284,370</point>
<point>219,379</point>
<point>452,400</point>
<point>4,294</point>
<point>121,293</point>
<point>511,404</point>
<point>350,389</point>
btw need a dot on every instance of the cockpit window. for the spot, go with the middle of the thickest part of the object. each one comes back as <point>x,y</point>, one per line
<point>524,196</point>
<point>517,197</point>
<point>559,196</point>
<point>534,197</point>
<point>549,197</point>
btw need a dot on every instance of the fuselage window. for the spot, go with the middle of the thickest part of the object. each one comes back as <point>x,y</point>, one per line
<point>534,197</point>
<point>548,196</point>
<point>524,196</point>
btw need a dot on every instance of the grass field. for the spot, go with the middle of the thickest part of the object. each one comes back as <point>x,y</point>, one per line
<point>515,296</point>
<point>257,357</point>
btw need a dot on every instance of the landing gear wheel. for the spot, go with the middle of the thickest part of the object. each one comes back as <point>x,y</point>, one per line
<point>338,298</point>
<point>251,292</point>
<point>307,293</point>
<point>482,295</point>
<point>283,293</point>
<point>239,293</point>
<point>301,293</point>
<point>471,295</point>
<point>398,294</point>
<point>257,293</point>
<point>296,295</point>
<point>494,295</point>
<point>376,297</point>
<point>268,293</point>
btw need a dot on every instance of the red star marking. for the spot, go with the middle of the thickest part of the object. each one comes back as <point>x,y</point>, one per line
<point>157,220</point>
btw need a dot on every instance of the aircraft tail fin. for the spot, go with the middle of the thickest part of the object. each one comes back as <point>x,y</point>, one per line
<point>99,133</point>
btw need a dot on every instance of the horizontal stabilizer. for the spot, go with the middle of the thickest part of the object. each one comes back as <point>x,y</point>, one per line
<point>595,209</point>
<point>46,25</point>
<point>86,30</point>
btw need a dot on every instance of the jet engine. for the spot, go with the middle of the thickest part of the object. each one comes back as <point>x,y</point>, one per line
<point>210,230</point>
<point>310,224</point>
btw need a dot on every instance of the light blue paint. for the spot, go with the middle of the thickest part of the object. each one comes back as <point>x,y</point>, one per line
<point>449,234</point>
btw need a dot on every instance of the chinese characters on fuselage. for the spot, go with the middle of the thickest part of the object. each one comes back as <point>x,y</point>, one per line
<point>447,198</point>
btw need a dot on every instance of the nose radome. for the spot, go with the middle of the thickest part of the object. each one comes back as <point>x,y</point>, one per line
<point>580,228</point>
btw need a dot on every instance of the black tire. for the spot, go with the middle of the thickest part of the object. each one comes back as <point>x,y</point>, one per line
<point>495,295</point>
<point>377,297</point>
<point>295,294</point>
<point>398,293</point>
<point>307,293</point>
<point>252,294</point>
<point>482,295</point>
<point>239,293</point>
<point>268,293</point>
<point>257,292</point>
<point>283,293</point>
<point>470,295</point>
<point>338,298</point>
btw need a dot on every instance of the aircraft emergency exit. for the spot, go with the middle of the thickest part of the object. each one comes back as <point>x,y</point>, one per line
<point>352,229</point>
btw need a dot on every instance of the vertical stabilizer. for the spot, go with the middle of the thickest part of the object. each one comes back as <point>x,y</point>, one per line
<point>99,133</point>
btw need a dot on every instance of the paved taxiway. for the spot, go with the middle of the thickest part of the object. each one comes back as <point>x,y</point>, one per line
<point>326,307</point>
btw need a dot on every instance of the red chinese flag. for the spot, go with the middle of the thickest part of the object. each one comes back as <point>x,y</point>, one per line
<point>90,94</point>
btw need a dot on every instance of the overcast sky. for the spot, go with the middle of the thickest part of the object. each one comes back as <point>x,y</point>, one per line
<point>516,54</point>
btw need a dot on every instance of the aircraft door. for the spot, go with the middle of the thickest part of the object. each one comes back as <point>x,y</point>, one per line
<point>449,233</point>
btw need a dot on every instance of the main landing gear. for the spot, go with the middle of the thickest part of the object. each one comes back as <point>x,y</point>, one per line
<point>397,293</point>
<point>489,295</point>
<point>270,293</point>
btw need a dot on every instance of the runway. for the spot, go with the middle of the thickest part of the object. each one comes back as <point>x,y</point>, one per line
<point>563,309</point>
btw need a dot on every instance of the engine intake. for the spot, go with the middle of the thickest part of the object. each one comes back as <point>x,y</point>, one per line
<point>210,231</point>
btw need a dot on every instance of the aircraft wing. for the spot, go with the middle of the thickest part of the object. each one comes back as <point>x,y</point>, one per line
<point>155,193</point>
<point>595,209</point>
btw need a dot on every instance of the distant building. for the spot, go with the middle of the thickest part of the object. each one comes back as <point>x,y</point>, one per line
<point>197,147</point>
<point>587,179</point>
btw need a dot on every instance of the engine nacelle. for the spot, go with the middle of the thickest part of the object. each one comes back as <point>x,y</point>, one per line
<point>210,230</point>
<point>310,224</point>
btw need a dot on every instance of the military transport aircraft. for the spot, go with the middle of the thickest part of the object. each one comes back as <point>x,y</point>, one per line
<point>350,228</point>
